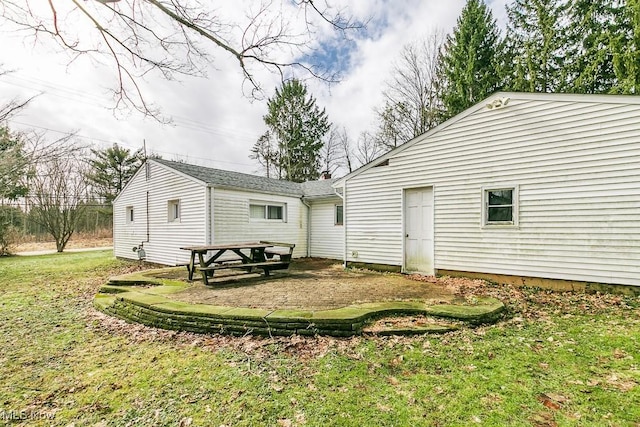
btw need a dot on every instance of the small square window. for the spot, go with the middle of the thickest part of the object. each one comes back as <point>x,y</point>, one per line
<point>339,220</point>
<point>129,214</point>
<point>500,206</point>
<point>173,210</point>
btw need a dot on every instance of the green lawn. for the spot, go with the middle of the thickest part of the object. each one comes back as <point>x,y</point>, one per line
<point>560,359</point>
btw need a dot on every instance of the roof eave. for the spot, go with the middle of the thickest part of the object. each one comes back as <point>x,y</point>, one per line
<point>251,190</point>
<point>321,197</point>
<point>480,105</point>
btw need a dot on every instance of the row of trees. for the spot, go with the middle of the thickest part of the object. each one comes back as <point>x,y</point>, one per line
<point>54,184</point>
<point>574,46</point>
<point>300,142</point>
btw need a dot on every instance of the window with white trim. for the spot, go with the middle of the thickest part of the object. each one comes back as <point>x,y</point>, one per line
<point>500,205</point>
<point>129,214</point>
<point>267,211</point>
<point>339,217</point>
<point>173,210</point>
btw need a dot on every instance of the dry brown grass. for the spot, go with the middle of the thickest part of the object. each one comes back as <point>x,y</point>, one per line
<point>82,241</point>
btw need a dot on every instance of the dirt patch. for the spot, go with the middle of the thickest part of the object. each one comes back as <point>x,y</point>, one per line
<point>312,284</point>
<point>83,242</point>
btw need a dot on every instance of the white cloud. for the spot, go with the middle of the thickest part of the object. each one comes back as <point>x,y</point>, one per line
<point>215,124</point>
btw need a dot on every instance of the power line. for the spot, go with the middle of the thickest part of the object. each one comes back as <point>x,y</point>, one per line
<point>75,95</point>
<point>128,145</point>
<point>80,96</point>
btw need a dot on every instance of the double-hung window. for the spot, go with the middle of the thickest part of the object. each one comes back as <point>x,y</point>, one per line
<point>267,211</point>
<point>339,217</point>
<point>500,205</point>
<point>130,216</point>
<point>173,210</point>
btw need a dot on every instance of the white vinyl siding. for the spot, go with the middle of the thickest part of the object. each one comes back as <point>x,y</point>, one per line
<point>127,234</point>
<point>234,221</point>
<point>326,237</point>
<point>575,161</point>
<point>165,238</point>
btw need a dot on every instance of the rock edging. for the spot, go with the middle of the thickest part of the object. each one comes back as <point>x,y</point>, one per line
<point>140,298</point>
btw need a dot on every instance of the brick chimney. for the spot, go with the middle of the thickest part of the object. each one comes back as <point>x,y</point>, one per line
<point>325,175</point>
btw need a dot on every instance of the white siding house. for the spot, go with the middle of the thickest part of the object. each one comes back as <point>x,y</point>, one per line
<point>168,205</point>
<point>533,185</point>
<point>326,231</point>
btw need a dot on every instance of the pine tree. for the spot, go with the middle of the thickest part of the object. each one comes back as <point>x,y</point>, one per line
<point>14,165</point>
<point>299,126</point>
<point>111,169</point>
<point>14,169</point>
<point>536,45</point>
<point>469,61</point>
<point>589,57</point>
<point>626,50</point>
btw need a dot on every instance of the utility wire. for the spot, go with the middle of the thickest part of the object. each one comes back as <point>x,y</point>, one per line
<point>71,94</point>
<point>128,145</point>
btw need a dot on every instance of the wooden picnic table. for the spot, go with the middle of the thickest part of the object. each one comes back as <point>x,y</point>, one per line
<point>255,258</point>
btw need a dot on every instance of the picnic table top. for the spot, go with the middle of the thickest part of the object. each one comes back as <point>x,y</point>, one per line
<point>218,247</point>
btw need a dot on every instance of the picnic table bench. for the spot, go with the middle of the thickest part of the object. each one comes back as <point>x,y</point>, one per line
<point>284,254</point>
<point>261,256</point>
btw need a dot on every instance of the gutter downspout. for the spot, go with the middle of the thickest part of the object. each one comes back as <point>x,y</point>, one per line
<point>147,174</point>
<point>308,226</point>
<point>344,224</point>
<point>147,221</point>
<point>210,222</point>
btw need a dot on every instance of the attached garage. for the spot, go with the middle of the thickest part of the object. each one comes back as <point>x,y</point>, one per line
<point>523,185</point>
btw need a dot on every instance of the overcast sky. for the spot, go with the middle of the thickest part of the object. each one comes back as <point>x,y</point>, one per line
<point>214,123</point>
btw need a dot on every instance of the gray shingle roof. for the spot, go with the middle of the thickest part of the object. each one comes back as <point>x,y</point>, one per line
<point>222,178</point>
<point>320,188</point>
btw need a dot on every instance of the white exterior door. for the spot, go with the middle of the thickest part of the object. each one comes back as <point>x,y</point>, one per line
<point>418,230</point>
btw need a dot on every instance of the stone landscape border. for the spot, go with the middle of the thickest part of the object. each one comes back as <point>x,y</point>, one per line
<point>143,297</point>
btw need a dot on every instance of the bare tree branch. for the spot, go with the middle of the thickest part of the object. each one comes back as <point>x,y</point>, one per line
<point>172,37</point>
<point>411,103</point>
<point>58,193</point>
<point>14,106</point>
<point>367,149</point>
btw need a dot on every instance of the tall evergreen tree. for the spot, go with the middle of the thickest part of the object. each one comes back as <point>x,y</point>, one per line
<point>469,61</point>
<point>111,169</point>
<point>14,166</point>
<point>626,49</point>
<point>14,169</point>
<point>299,126</point>
<point>589,54</point>
<point>536,45</point>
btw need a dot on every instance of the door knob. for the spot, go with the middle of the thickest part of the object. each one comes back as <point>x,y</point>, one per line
<point>407,235</point>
